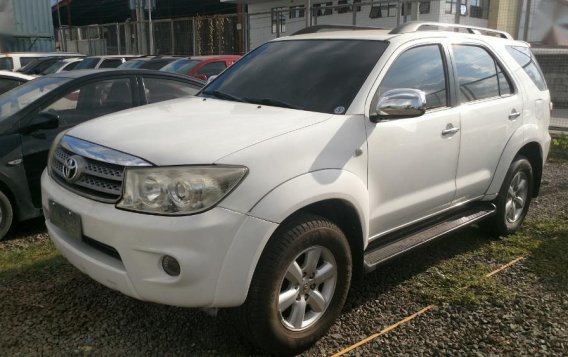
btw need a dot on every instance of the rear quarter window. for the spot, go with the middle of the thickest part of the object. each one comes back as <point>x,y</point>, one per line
<point>526,60</point>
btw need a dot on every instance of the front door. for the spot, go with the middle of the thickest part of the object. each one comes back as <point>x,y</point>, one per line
<point>413,162</point>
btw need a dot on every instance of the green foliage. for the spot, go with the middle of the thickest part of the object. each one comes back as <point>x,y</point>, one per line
<point>559,147</point>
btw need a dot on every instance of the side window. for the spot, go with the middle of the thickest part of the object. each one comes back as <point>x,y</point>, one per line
<point>479,75</point>
<point>71,66</point>
<point>7,84</point>
<point>92,100</point>
<point>213,68</point>
<point>158,89</point>
<point>419,68</point>
<point>111,63</point>
<point>525,59</point>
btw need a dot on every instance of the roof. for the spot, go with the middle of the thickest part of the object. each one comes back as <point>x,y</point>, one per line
<point>16,75</point>
<point>93,73</point>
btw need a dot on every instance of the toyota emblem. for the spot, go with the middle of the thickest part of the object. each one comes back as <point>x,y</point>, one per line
<point>72,168</point>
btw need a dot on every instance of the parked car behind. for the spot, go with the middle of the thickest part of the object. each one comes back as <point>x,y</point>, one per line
<point>66,64</point>
<point>201,67</point>
<point>12,61</point>
<point>34,113</point>
<point>40,65</point>
<point>10,80</point>
<point>96,62</point>
<point>151,62</point>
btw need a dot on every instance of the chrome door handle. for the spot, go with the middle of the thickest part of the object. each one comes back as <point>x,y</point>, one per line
<point>450,130</point>
<point>514,114</point>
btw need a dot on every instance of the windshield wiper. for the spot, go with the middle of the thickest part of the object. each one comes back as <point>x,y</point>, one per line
<point>270,101</point>
<point>223,95</point>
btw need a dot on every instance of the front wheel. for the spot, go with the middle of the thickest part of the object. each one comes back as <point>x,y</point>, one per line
<point>514,198</point>
<point>298,288</point>
<point>6,215</point>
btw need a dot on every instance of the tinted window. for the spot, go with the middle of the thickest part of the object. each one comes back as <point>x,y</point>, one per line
<point>111,63</point>
<point>24,61</point>
<point>6,63</point>
<point>213,68</point>
<point>419,68</point>
<point>92,100</point>
<point>156,64</point>
<point>525,59</point>
<point>88,63</point>
<point>158,89</point>
<point>132,64</point>
<point>71,66</point>
<point>316,75</point>
<point>183,66</point>
<point>477,73</point>
<point>7,84</point>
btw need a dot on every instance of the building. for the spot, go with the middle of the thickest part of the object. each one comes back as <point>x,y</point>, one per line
<point>26,25</point>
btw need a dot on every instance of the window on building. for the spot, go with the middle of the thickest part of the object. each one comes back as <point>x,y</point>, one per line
<point>479,9</point>
<point>384,10</point>
<point>297,12</point>
<point>452,5</point>
<point>479,75</point>
<point>423,8</point>
<point>323,9</point>
<point>346,8</point>
<point>419,68</point>
<point>279,19</point>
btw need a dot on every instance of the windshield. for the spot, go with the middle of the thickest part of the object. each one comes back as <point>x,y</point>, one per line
<point>181,66</point>
<point>54,67</point>
<point>132,64</point>
<point>88,63</point>
<point>22,96</point>
<point>315,75</point>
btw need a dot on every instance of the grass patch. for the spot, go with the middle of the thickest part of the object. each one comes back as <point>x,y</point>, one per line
<point>17,258</point>
<point>544,243</point>
<point>559,147</point>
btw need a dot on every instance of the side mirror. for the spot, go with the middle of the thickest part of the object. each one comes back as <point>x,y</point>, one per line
<point>42,121</point>
<point>399,104</point>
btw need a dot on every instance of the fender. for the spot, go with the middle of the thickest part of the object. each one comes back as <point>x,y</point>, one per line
<point>271,210</point>
<point>523,135</point>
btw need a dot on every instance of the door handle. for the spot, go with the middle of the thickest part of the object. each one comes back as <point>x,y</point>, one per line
<point>450,130</point>
<point>514,114</point>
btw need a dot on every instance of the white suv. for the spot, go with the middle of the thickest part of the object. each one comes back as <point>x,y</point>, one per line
<point>315,157</point>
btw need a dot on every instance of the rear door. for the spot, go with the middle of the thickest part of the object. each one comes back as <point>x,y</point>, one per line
<point>491,108</point>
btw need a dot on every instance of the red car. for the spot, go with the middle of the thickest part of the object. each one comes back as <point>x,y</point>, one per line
<point>201,67</point>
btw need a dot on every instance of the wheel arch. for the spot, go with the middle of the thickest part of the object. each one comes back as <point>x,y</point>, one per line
<point>533,152</point>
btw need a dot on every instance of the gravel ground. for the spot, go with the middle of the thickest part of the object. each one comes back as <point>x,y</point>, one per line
<point>51,308</point>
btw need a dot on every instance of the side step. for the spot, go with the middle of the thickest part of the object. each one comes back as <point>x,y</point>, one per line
<point>391,246</point>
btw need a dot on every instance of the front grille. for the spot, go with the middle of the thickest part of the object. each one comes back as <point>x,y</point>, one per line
<point>98,180</point>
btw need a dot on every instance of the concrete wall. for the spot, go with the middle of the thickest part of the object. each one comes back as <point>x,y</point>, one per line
<point>554,65</point>
<point>261,20</point>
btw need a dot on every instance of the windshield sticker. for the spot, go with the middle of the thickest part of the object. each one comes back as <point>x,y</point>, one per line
<point>339,110</point>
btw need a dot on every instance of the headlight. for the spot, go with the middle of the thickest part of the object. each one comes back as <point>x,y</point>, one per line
<point>178,190</point>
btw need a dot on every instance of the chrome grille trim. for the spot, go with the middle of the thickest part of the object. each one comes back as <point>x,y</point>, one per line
<point>99,180</point>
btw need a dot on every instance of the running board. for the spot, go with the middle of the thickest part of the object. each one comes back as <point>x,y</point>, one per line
<point>380,253</point>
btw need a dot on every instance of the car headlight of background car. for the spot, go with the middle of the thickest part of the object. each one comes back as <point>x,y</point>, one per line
<point>178,190</point>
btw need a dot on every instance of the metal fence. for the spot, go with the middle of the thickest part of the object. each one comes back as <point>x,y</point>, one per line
<point>181,36</point>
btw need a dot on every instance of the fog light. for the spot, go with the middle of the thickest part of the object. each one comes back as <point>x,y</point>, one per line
<point>170,265</point>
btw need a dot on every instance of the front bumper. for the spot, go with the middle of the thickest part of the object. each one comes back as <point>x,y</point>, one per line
<point>217,250</point>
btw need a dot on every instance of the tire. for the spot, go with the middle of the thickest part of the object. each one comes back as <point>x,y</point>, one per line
<point>6,215</point>
<point>284,273</point>
<point>514,199</point>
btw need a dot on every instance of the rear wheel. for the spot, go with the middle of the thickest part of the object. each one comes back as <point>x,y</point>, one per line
<point>6,215</point>
<point>298,288</point>
<point>514,198</point>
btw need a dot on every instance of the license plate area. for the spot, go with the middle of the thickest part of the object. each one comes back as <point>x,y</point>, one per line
<point>65,219</point>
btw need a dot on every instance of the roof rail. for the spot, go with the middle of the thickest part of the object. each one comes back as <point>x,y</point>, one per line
<point>327,28</point>
<point>414,26</point>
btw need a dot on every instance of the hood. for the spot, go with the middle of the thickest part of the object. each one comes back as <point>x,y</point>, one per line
<point>192,130</point>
